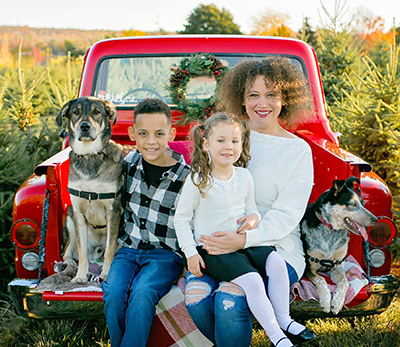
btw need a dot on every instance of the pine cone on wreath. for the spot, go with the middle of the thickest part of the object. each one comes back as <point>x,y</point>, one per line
<point>216,63</point>
<point>176,78</point>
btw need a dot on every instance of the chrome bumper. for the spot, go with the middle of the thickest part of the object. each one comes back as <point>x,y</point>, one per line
<point>30,303</point>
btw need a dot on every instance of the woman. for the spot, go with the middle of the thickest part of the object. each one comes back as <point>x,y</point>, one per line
<point>268,93</point>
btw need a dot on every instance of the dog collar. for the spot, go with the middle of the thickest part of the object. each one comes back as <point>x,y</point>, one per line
<point>326,262</point>
<point>323,221</point>
<point>93,196</point>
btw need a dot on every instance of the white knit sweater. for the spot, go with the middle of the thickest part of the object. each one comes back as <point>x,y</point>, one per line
<point>282,171</point>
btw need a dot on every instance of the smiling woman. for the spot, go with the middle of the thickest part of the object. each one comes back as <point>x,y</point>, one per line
<point>263,106</point>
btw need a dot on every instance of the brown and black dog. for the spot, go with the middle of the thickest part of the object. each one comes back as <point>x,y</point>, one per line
<point>95,183</point>
<point>325,230</point>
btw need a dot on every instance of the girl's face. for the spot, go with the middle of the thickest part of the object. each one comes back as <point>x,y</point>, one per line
<point>224,144</point>
<point>263,106</point>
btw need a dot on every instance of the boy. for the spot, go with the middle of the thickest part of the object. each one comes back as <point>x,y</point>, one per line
<point>145,267</point>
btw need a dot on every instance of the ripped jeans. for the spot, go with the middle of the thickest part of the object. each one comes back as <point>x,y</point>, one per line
<point>220,310</point>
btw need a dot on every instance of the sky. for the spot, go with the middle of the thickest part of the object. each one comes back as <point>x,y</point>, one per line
<point>171,15</point>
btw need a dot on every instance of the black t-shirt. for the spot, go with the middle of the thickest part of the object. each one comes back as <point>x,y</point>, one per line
<point>153,173</point>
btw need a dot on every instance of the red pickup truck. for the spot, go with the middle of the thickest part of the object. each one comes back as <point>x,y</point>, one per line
<point>127,70</point>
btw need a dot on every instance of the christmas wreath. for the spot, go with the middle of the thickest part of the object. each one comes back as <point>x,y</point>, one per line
<point>188,68</point>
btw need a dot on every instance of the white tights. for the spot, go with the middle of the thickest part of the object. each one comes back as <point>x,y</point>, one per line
<point>273,312</point>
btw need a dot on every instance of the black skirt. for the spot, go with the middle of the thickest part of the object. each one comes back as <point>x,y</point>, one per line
<point>226,267</point>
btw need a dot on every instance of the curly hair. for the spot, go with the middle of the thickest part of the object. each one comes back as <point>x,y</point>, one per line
<point>278,71</point>
<point>201,164</point>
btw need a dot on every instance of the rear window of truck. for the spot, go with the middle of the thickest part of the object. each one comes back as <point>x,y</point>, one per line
<point>125,81</point>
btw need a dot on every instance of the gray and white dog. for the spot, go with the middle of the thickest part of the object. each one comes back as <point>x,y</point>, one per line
<point>95,183</point>
<point>325,230</point>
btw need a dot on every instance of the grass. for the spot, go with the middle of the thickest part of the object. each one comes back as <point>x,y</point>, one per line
<point>379,330</point>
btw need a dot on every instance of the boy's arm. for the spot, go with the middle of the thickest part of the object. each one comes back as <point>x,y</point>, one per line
<point>188,200</point>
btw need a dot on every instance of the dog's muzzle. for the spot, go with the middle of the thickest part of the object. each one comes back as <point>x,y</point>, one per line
<point>85,132</point>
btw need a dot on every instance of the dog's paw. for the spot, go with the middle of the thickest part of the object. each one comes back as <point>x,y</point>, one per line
<point>70,262</point>
<point>337,303</point>
<point>80,278</point>
<point>325,304</point>
<point>104,275</point>
<point>324,294</point>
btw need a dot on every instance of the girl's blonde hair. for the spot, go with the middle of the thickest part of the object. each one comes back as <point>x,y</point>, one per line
<point>201,164</point>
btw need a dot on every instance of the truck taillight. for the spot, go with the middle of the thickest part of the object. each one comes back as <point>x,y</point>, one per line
<point>25,234</point>
<point>382,233</point>
<point>30,261</point>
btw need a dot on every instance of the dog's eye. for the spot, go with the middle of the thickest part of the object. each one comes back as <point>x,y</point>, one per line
<point>96,111</point>
<point>76,111</point>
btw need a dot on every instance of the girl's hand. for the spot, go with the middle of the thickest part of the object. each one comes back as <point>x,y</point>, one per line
<point>223,242</point>
<point>249,222</point>
<point>194,263</point>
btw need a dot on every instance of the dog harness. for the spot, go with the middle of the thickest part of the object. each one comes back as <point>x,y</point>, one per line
<point>326,262</point>
<point>93,196</point>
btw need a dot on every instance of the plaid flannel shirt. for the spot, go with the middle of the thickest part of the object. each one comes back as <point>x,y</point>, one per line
<point>149,211</point>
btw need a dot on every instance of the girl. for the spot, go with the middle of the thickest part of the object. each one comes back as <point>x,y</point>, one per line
<point>220,196</point>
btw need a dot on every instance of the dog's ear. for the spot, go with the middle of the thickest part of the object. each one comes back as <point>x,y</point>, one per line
<point>338,186</point>
<point>351,180</point>
<point>111,110</point>
<point>63,112</point>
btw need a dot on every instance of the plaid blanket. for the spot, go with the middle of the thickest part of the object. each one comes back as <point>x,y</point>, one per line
<point>306,290</point>
<point>172,325</point>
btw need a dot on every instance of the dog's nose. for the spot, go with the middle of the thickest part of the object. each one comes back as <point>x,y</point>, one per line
<point>85,126</point>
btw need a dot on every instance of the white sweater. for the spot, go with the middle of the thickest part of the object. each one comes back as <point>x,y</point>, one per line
<point>226,202</point>
<point>282,171</point>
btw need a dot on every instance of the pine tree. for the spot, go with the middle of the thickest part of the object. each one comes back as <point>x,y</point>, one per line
<point>338,56</point>
<point>373,105</point>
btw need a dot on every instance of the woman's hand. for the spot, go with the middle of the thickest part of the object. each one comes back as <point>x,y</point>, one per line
<point>223,242</point>
<point>194,263</point>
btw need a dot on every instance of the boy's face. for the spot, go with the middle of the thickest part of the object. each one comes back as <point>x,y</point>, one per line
<point>152,134</point>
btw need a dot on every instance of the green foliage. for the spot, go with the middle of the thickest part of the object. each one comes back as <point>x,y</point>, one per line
<point>208,19</point>
<point>307,34</point>
<point>22,109</point>
<point>188,68</point>
<point>371,105</point>
<point>64,89</point>
<point>338,54</point>
<point>73,50</point>
<point>27,138</point>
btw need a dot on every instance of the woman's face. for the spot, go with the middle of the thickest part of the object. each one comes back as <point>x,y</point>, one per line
<point>263,106</point>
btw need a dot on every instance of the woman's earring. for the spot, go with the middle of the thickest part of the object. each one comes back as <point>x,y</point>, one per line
<point>209,157</point>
